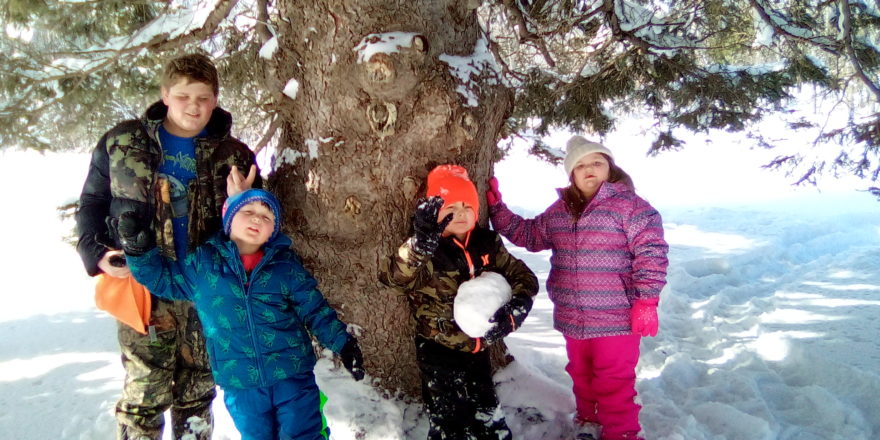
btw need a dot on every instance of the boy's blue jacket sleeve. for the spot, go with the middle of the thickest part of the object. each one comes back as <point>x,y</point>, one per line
<point>161,276</point>
<point>315,312</point>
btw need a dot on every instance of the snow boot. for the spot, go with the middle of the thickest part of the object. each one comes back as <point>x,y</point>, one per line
<point>587,430</point>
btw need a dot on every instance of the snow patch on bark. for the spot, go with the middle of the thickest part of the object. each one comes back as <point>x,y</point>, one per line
<point>291,89</point>
<point>269,48</point>
<point>389,42</point>
<point>287,156</point>
<point>313,145</point>
<point>468,69</point>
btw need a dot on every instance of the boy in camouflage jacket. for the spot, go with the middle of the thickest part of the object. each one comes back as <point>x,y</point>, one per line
<point>429,267</point>
<point>259,307</point>
<point>172,164</point>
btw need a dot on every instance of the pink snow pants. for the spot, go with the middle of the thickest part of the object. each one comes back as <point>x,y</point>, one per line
<point>604,374</point>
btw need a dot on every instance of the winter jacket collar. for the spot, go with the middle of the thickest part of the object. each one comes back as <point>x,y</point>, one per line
<point>576,209</point>
<point>229,251</point>
<point>607,190</point>
<point>219,126</point>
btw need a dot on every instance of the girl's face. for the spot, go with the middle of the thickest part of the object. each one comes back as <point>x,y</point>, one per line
<point>589,172</point>
<point>463,219</point>
<point>252,226</point>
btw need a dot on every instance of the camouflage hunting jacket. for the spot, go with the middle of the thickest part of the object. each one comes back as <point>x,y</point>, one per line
<point>123,176</point>
<point>257,326</point>
<point>431,282</point>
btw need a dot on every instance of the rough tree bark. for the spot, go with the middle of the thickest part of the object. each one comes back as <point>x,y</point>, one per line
<point>359,139</point>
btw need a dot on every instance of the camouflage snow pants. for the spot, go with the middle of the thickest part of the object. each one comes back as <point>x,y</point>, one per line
<point>169,370</point>
<point>459,394</point>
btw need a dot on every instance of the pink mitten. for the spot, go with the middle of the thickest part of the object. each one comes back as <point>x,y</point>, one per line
<point>643,317</point>
<point>493,196</point>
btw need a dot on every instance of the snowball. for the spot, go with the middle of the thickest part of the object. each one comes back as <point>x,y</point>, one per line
<point>477,301</point>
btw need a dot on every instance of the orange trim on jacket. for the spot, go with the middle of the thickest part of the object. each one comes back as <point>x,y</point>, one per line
<point>467,255</point>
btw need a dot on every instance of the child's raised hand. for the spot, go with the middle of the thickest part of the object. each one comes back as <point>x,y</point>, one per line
<point>237,182</point>
<point>426,229</point>
<point>493,196</point>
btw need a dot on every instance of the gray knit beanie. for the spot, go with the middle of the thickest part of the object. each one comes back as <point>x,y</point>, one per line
<point>578,147</point>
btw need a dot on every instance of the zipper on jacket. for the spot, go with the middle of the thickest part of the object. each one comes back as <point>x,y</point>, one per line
<point>245,282</point>
<point>587,210</point>
<point>258,354</point>
<point>467,255</point>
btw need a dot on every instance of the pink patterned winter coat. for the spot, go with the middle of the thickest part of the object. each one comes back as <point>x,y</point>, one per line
<point>612,256</point>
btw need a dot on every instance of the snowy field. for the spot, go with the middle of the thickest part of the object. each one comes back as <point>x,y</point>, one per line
<point>768,326</point>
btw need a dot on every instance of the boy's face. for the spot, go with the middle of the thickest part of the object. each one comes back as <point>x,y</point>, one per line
<point>190,105</point>
<point>252,226</point>
<point>463,219</point>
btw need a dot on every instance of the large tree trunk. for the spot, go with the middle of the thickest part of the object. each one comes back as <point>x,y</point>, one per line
<point>359,139</point>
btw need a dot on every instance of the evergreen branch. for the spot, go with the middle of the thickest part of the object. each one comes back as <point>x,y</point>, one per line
<point>274,125</point>
<point>262,21</point>
<point>156,44</point>
<point>850,51</point>
<point>505,68</point>
<point>808,176</point>
<point>159,44</point>
<point>525,35</point>
<point>824,43</point>
<point>25,97</point>
<point>631,36</point>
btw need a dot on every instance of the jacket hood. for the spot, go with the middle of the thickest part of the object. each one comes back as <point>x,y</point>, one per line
<point>219,126</point>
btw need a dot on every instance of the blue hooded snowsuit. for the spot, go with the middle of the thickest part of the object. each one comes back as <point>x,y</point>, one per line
<point>257,326</point>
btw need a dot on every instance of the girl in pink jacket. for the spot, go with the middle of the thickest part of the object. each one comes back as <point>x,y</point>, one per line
<point>607,269</point>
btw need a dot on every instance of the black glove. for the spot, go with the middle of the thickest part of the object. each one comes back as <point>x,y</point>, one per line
<point>426,230</point>
<point>353,359</point>
<point>134,233</point>
<point>509,317</point>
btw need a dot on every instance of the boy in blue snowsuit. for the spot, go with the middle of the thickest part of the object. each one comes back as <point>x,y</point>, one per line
<point>258,306</point>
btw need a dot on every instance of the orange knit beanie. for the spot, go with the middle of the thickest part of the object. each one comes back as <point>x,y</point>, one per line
<point>451,182</point>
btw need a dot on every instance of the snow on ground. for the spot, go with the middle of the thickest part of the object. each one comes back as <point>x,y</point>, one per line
<point>768,325</point>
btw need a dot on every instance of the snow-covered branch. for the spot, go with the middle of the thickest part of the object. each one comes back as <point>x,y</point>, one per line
<point>525,34</point>
<point>779,23</point>
<point>850,51</point>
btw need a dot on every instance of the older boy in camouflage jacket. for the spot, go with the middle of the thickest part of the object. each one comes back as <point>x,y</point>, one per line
<point>172,164</point>
<point>457,381</point>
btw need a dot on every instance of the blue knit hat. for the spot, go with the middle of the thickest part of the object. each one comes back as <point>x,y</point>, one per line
<point>236,202</point>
